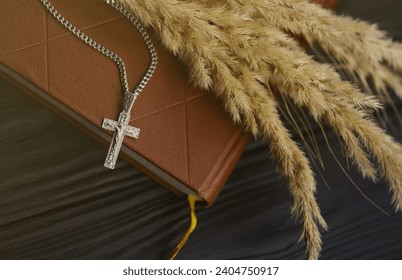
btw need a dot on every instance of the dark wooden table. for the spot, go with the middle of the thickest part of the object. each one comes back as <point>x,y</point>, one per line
<point>58,202</point>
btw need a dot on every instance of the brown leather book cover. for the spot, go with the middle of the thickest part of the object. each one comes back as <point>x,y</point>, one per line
<point>188,142</point>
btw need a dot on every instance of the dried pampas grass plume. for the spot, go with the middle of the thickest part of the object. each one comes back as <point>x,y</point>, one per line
<point>240,49</point>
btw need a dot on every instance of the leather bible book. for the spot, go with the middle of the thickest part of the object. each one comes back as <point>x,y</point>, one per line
<point>188,142</point>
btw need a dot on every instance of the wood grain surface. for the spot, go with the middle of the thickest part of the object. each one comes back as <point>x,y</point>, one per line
<point>57,201</point>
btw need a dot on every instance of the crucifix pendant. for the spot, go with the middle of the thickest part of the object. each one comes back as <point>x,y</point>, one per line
<point>121,128</point>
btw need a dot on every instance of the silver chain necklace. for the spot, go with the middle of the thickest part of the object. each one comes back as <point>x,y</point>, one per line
<point>121,128</point>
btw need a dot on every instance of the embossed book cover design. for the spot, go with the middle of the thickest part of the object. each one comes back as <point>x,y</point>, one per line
<point>187,141</point>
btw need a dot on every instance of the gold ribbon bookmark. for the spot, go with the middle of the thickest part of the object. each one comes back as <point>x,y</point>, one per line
<point>193,224</point>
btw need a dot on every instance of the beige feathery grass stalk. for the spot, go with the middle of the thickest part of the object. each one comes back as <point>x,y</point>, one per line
<point>238,48</point>
<point>361,49</point>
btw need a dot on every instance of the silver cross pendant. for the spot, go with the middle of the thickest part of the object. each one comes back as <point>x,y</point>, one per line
<point>120,129</point>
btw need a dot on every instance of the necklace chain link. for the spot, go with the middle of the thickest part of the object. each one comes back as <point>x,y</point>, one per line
<point>117,59</point>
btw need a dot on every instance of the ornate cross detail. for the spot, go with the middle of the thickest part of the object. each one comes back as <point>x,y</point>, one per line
<point>121,129</point>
